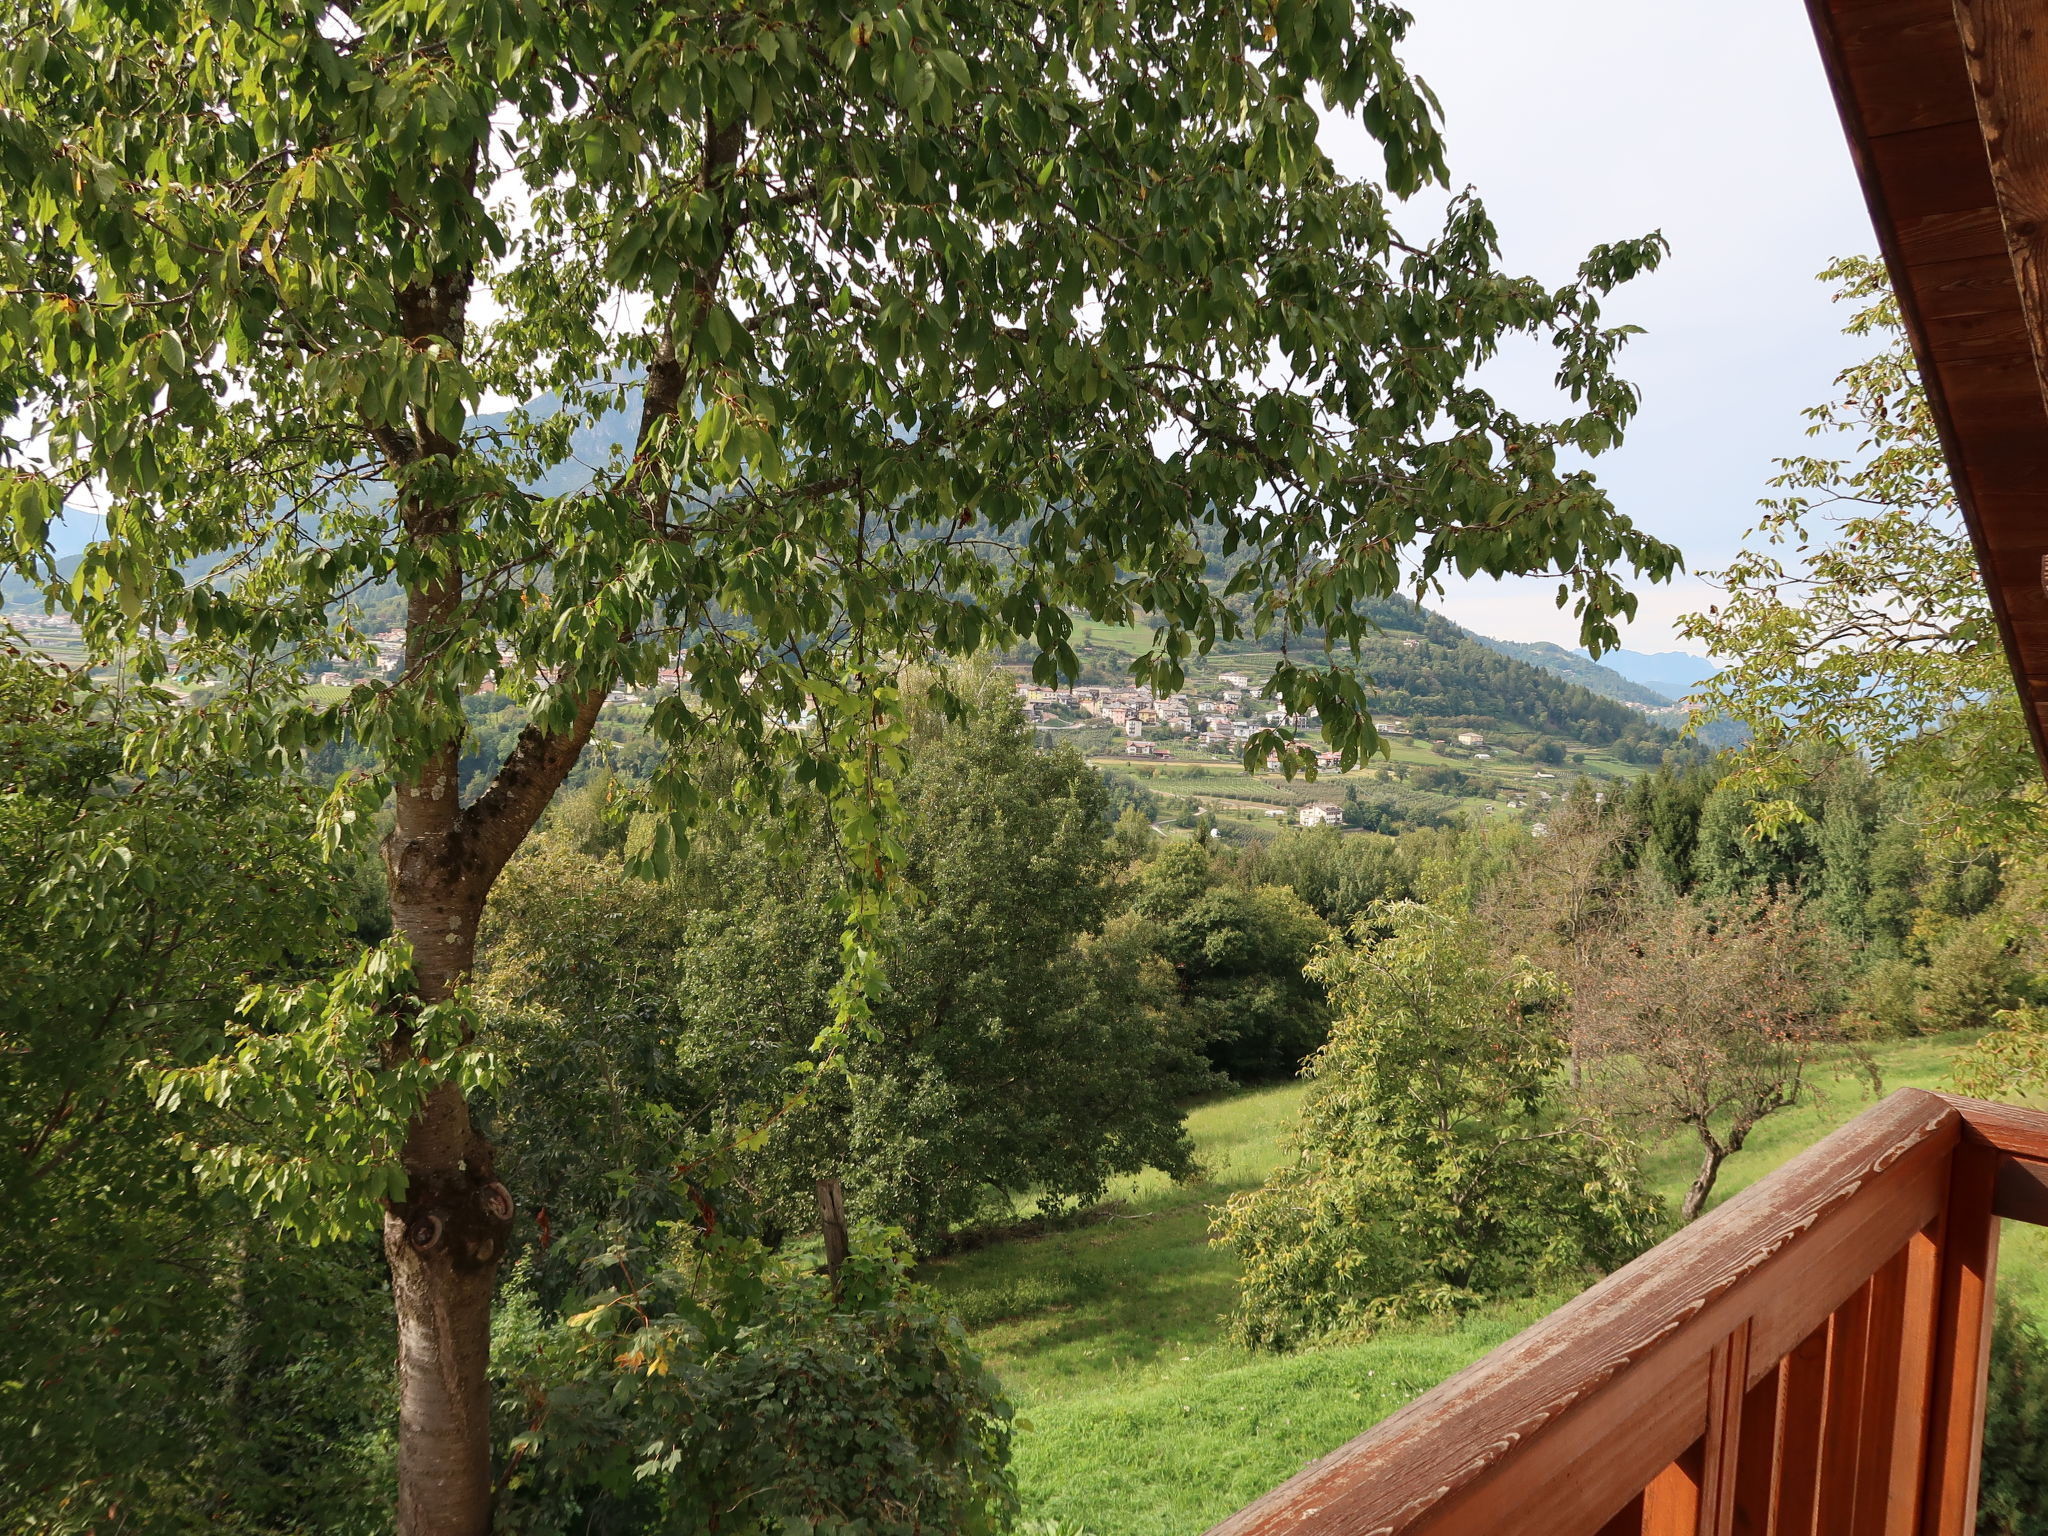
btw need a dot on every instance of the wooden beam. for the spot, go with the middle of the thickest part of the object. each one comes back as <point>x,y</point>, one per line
<point>2021,1193</point>
<point>1917,110</point>
<point>2005,43</point>
<point>2003,1127</point>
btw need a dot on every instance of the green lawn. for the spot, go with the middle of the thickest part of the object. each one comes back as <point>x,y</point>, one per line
<point>1137,1417</point>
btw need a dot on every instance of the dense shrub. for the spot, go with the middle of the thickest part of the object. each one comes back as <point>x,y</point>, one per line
<point>2013,1496</point>
<point>1972,976</point>
<point>715,1386</point>
<point>165,1355</point>
<point>1886,998</point>
<point>1432,1166</point>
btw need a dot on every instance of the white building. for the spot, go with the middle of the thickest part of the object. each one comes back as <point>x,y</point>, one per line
<point>1321,816</point>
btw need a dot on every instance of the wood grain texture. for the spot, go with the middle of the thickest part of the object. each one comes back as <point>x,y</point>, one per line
<point>1882,1373</point>
<point>1841,1441</point>
<point>1805,1390</point>
<point>1945,185</point>
<point>1558,1428</point>
<point>1756,1476</point>
<point>2005,44</point>
<point>1721,1447</point>
<point>1955,1428</point>
<point>1919,1327</point>
<point>1671,1504</point>
<point>2009,1129</point>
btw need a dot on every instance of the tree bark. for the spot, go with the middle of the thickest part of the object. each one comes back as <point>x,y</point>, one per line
<point>832,1226</point>
<point>445,1239</point>
<point>1703,1182</point>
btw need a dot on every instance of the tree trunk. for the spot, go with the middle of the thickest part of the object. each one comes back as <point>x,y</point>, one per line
<point>445,1239</point>
<point>1702,1182</point>
<point>443,1246</point>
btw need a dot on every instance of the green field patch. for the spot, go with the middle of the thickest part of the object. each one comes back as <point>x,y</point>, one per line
<point>1141,1418</point>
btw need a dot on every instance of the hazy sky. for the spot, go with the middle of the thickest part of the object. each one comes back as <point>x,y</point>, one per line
<point>1580,121</point>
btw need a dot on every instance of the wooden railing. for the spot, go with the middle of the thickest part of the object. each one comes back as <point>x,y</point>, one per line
<point>1807,1360</point>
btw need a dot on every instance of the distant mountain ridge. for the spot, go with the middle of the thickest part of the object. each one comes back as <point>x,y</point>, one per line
<point>1658,682</point>
<point>1676,673</point>
<point>1577,667</point>
<point>1426,669</point>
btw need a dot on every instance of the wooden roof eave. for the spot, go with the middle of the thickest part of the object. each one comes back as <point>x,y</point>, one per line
<point>1946,107</point>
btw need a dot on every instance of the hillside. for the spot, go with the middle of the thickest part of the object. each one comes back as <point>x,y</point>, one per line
<point>1424,670</point>
<point>1578,668</point>
<point>1467,731</point>
<point>1425,667</point>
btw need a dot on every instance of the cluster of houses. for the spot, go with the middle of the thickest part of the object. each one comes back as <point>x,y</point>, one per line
<point>1225,719</point>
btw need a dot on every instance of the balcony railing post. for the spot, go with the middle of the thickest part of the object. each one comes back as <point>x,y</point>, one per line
<point>1805,1387</point>
<point>1721,1451</point>
<point>1920,1327</point>
<point>1955,1430</point>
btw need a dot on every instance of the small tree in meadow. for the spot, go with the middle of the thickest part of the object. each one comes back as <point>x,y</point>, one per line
<point>1707,1024</point>
<point>1435,1163</point>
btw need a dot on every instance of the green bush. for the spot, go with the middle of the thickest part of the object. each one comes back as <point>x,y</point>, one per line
<point>1888,997</point>
<point>1433,1166</point>
<point>1972,976</point>
<point>2013,1496</point>
<point>721,1387</point>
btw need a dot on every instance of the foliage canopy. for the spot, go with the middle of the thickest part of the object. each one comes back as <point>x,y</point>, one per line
<point>1860,624</point>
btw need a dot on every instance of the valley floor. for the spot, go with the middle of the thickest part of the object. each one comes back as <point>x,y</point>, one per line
<point>1137,1417</point>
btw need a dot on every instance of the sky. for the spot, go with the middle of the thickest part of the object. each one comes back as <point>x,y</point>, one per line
<point>1583,121</point>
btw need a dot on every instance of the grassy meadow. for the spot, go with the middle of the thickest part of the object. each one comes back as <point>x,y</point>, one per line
<point>1139,1418</point>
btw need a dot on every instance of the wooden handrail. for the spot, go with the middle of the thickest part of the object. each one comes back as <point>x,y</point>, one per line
<point>1822,1336</point>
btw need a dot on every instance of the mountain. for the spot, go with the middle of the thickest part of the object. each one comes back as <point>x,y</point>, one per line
<point>1674,673</point>
<point>1649,681</point>
<point>1430,671</point>
<point>1578,668</point>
